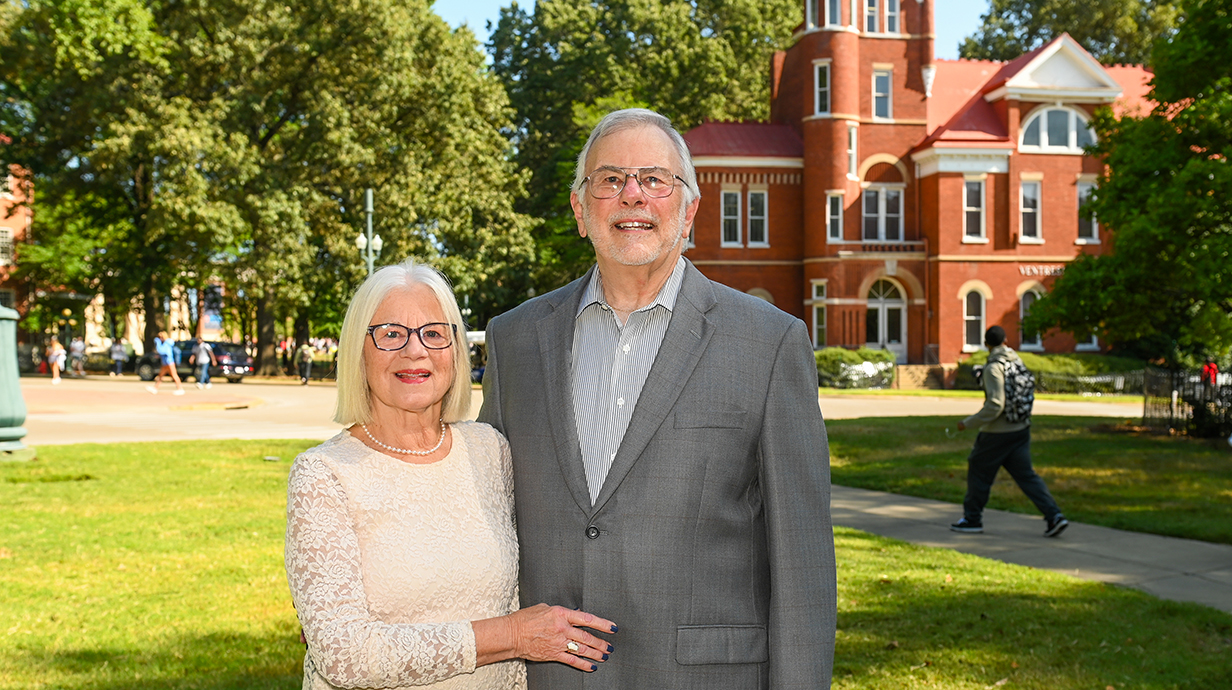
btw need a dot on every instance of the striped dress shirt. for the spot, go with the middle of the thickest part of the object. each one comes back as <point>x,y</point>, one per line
<point>610,365</point>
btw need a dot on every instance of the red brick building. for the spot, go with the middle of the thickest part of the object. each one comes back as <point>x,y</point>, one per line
<point>15,220</point>
<point>902,202</point>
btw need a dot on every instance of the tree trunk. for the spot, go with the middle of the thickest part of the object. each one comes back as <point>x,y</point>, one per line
<point>200,312</point>
<point>153,317</point>
<point>267,355</point>
<point>301,329</point>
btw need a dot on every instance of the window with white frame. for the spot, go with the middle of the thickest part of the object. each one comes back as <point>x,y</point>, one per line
<point>821,95</point>
<point>8,298</point>
<point>834,216</point>
<point>1088,227</point>
<point>731,219</point>
<point>812,9</point>
<point>1030,341</point>
<point>757,219</point>
<point>1030,206</point>
<point>973,321</point>
<point>6,247</point>
<point>871,25</point>
<point>883,214</point>
<point>882,101</point>
<point>852,160</point>
<point>855,14</point>
<point>892,16</point>
<point>973,208</point>
<point>1056,130</point>
<point>834,16</point>
<point>819,314</point>
<point>1090,345</point>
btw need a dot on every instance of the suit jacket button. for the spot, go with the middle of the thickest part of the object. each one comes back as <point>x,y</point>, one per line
<point>592,532</point>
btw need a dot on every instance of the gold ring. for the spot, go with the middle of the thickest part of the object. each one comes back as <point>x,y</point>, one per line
<point>572,646</point>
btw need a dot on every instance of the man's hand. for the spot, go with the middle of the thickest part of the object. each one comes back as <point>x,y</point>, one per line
<point>962,427</point>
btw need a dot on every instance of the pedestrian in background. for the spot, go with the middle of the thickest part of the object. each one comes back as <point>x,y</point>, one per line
<point>77,356</point>
<point>1004,441</point>
<point>55,359</point>
<point>165,347</point>
<point>305,355</point>
<point>119,355</point>
<point>202,359</point>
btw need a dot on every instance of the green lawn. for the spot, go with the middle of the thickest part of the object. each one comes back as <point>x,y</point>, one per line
<point>159,565</point>
<point>1177,487</point>
<point>960,393</point>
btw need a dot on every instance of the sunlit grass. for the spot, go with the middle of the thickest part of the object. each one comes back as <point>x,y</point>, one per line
<point>164,570</point>
<point>1159,484</point>
<point>958,393</point>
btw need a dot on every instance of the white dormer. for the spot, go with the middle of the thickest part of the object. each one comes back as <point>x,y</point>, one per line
<point>1062,71</point>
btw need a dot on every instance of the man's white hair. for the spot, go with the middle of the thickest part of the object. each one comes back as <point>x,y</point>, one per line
<point>633,118</point>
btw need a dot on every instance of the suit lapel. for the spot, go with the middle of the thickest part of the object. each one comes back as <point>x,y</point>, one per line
<point>556,357</point>
<point>686,338</point>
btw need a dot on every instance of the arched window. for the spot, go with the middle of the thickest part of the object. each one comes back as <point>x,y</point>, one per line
<point>1055,130</point>
<point>1030,341</point>
<point>973,321</point>
<point>885,324</point>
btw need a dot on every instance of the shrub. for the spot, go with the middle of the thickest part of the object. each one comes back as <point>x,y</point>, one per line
<point>1060,373</point>
<point>838,367</point>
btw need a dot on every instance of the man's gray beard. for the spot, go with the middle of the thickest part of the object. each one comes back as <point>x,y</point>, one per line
<point>589,220</point>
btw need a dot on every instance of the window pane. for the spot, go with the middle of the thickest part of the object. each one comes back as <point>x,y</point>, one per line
<point>881,94</point>
<point>757,230</point>
<point>836,217</point>
<point>731,204</point>
<point>871,20</point>
<point>851,150</point>
<point>757,204</point>
<point>1058,127</point>
<point>871,325</point>
<point>975,305</point>
<point>894,325</point>
<point>893,213</point>
<point>892,16</point>
<point>823,88</point>
<point>757,217</point>
<point>973,333</point>
<point>731,230</point>
<point>814,6</point>
<point>835,13</point>
<point>871,212</point>
<point>1086,221</point>
<point>819,327</point>
<point>1030,209</point>
<point>1032,136</point>
<point>1085,136</point>
<point>975,196</point>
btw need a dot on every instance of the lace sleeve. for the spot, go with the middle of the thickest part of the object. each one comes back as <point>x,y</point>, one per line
<point>346,644</point>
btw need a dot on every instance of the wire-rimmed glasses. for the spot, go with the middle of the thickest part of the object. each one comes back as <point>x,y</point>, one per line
<point>609,181</point>
<point>391,337</point>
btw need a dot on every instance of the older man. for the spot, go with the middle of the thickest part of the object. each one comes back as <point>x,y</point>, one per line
<point>671,468</point>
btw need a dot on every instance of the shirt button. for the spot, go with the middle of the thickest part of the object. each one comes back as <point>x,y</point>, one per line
<point>625,348</point>
<point>592,532</point>
<point>620,401</point>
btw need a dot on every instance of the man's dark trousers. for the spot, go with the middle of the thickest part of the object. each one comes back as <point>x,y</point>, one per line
<point>1013,452</point>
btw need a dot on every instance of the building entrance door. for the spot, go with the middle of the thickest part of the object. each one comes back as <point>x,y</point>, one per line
<point>886,319</point>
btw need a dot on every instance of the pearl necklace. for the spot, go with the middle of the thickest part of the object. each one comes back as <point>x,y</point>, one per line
<point>430,451</point>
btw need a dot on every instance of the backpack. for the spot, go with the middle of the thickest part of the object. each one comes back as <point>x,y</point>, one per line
<point>1019,391</point>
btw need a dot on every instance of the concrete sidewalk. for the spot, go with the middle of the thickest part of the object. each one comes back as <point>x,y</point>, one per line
<point>1169,568</point>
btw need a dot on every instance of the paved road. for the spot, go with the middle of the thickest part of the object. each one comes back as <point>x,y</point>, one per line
<point>103,409</point>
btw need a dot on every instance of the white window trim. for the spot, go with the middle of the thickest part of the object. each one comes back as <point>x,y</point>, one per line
<point>1039,212</point>
<point>831,235</point>
<point>983,320</point>
<point>1090,346</point>
<point>748,234</point>
<point>818,66</point>
<point>1094,221</point>
<point>875,14</point>
<point>818,303</point>
<point>856,15</point>
<point>6,245</point>
<point>1023,345</point>
<point>723,217</point>
<point>831,20</point>
<point>897,15</point>
<point>889,117</point>
<point>983,236</point>
<point>810,21</point>
<point>1077,118</point>
<point>881,189</point>
<point>853,153</point>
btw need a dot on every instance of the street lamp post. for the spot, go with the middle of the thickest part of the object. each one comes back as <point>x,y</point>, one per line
<point>369,244</point>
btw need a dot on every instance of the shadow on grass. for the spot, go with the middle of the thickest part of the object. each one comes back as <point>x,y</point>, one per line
<point>221,661</point>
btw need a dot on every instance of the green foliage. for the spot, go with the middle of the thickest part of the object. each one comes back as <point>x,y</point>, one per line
<point>836,367</point>
<point>164,570</point>
<point>1113,31</point>
<point>829,358</point>
<point>573,59</point>
<point>1165,291</point>
<point>1173,486</point>
<point>1064,364</point>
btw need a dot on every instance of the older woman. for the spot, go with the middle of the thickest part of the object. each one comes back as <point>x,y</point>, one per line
<point>401,550</point>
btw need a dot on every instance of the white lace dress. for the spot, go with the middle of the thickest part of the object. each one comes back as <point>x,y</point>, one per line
<point>389,562</point>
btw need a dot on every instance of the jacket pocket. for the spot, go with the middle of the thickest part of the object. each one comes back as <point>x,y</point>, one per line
<point>710,419</point>
<point>721,644</point>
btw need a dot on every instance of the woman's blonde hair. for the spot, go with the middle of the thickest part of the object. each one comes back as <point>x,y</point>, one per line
<point>354,399</point>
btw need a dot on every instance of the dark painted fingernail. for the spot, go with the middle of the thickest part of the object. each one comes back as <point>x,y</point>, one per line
<point>615,629</point>
<point>610,649</point>
<point>605,657</point>
<point>593,668</point>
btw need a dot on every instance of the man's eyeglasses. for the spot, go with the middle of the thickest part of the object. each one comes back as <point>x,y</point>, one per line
<point>391,337</point>
<point>607,182</point>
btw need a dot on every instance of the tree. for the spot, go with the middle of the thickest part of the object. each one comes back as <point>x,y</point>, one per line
<point>1165,290</point>
<point>572,59</point>
<point>1114,31</point>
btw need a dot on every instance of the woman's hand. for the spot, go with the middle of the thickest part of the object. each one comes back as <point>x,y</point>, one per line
<point>544,633</point>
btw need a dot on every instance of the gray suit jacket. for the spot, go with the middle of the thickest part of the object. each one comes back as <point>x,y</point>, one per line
<point>710,544</point>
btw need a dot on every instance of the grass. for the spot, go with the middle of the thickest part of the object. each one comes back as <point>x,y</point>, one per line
<point>159,565</point>
<point>959,393</point>
<point>1176,487</point>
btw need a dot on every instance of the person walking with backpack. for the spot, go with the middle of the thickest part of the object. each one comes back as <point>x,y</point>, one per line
<point>1004,439</point>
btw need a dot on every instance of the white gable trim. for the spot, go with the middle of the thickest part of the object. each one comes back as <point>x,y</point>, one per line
<point>939,160</point>
<point>1090,82</point>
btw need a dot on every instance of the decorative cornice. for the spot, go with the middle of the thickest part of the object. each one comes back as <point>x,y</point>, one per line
<point>962,160</point>
<point>746,162</point>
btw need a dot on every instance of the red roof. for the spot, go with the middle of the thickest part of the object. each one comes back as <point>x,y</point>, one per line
<point>761,139</point>
<point>1135,80</point>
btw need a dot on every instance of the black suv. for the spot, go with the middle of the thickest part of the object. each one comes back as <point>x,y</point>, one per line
<point>233,362</point>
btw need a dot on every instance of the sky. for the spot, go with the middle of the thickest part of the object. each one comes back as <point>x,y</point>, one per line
<point>954,19</point>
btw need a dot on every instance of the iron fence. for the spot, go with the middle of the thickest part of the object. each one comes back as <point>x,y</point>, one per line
<point>1183,402</point>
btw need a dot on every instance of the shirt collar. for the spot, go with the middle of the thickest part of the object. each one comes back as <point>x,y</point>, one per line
<point>666,297</point>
